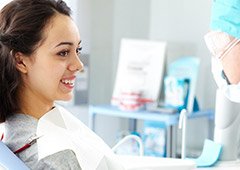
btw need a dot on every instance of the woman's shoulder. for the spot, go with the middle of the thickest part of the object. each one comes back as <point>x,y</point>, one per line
<point>21,122</point>
<point>62,160</point>
<point>18,129</point>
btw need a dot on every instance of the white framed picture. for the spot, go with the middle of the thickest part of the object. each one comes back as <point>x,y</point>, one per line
<point>140,69</point>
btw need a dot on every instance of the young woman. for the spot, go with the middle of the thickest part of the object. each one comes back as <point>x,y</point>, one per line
<point>39,60</point>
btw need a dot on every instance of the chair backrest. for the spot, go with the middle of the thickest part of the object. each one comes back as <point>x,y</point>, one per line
<point>8,160</point>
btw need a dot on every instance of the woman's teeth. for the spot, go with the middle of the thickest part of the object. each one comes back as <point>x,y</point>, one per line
<point>69,82</point>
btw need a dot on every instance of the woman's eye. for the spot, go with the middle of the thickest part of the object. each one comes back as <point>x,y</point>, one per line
<point>63,53</point>
<point>78,50</point>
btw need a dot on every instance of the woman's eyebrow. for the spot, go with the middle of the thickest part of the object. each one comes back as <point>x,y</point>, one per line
<point>66,43</point>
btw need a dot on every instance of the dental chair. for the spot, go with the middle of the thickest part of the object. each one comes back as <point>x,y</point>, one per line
<point>8,160</point>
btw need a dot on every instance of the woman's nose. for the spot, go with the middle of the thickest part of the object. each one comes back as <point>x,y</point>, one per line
<point>76,64</point>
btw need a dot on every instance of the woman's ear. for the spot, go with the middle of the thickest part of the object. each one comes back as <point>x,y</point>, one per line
<point>20,62</point>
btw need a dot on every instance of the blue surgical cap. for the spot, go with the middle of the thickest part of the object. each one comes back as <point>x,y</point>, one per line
<point>226,17</point>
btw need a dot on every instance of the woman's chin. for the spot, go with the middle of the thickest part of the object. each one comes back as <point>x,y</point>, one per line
<point>66,98</point>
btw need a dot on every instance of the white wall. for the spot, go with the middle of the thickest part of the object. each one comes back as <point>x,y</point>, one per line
<point>81,14</point>
<point>84,23</point>
<point>183,24</point>
<point>101,51</point>
<point>3,3</point>
<point>131,20</point>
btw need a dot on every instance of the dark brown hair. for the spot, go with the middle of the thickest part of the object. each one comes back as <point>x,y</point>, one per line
<point>22,23</point>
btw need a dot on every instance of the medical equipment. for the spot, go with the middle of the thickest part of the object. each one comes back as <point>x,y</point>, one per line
<point>225,34</point>
<point>210,154</point>
<point>32,140</point>
<point>182,125</point>
<point>227,108</point>
<point>129,137</point>
<point>154,137</point>
<point>227,124</point>
<point>211,150</point>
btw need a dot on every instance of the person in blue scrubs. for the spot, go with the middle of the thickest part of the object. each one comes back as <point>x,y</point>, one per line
<point>223,43</point>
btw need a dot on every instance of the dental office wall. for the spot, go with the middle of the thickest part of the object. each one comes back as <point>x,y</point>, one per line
<point>181,23</point>
<point>3,2</point>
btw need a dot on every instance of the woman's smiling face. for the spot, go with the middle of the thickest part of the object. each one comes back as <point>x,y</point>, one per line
<point>51,70</point>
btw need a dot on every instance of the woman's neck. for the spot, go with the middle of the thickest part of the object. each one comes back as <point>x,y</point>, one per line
<point>33,105</point>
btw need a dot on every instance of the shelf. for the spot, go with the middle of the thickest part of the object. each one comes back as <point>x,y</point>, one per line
<point>168,119</point>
